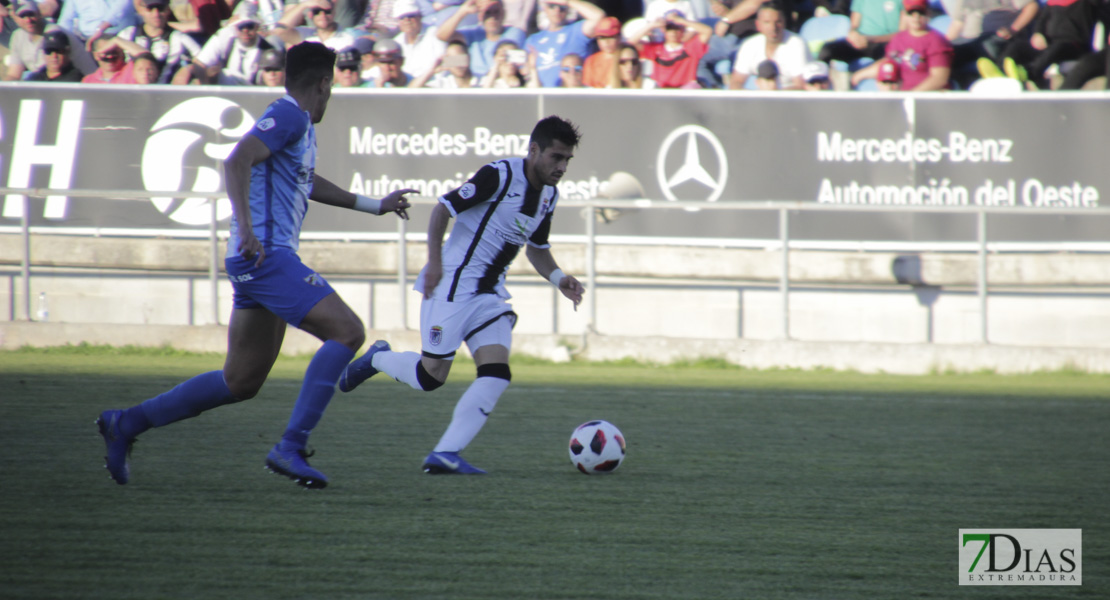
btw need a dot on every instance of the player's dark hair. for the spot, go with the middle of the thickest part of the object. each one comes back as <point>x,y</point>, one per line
<point>306,64</point>
<point>554,128</point>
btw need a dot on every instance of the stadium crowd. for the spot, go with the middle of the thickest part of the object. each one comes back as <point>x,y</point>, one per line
<point>919,45</point>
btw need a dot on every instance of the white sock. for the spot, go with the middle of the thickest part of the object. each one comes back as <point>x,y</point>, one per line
<point>399,365</point>
<point>471,413</point>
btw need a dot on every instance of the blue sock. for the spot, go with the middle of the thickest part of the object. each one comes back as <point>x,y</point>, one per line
<point>316,392</point>
<point>188,399</point>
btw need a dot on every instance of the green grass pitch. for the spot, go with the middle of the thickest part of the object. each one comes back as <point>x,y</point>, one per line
<point>737,484</point>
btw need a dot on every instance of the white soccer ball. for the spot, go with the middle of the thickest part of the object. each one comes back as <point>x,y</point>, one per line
<point>597,447</point>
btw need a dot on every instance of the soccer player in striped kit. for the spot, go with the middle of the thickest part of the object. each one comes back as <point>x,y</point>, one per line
<point>508,204</point>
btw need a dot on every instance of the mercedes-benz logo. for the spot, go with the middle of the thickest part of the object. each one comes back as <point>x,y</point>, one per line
<point>695,175</point>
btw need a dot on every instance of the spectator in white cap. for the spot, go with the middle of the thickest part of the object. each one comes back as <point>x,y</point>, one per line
<point>815,76</point>
<point>320,15</point>
<point>26,54</point>
<point>419,43</point>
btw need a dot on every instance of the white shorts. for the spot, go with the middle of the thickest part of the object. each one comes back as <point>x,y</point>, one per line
<point>484,320</point>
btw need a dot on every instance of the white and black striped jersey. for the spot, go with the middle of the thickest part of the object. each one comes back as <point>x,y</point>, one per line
<point>172,50</point>
<point>496,212</point>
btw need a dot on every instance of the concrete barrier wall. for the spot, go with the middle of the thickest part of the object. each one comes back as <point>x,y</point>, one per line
<point>699,301</point>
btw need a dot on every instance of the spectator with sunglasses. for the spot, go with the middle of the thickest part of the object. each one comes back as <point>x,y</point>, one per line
<point>630,70</point>
<point>271,69</point>
<point>173,50</point>
<point>26,43</point>
<point>320,15</point>
<point>389,57</point>
<point>561,38</point>
<point>57,67</point>
<point>922,54</point>
<point>231,56</point>
<point>348,69</point>
<point>570,71</point>
<point>114,67</point>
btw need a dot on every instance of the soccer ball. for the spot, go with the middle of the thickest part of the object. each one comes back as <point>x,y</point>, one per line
<point>597,447</point>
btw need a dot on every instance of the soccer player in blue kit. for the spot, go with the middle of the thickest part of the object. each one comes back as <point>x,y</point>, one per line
<point>270,178</point>
<point>506,205</point>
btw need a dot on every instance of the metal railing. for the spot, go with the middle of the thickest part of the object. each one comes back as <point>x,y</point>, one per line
<point>782,243</point>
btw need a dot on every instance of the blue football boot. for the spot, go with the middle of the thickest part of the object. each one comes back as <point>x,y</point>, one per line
<point>360,368</point>
<point>292,464</point>
<point>118,446</point>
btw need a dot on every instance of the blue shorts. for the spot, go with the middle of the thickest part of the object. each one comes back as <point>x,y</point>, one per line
<point>283,285</point>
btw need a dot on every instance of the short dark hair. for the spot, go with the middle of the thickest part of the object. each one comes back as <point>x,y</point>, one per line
<point>554,128</point>
<point>307,63</point>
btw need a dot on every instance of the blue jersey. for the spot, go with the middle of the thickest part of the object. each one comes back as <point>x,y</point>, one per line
<point>280,185</point>
<point>552,46</point>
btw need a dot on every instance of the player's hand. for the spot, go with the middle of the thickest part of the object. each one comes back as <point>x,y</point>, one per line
<point>572,289</point>
<point>433,272</point>
<point>395,202</point>
<point>1038,41</point>
<point>250,247</point>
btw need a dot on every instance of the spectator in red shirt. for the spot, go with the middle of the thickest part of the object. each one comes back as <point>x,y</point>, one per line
<point>923,55</point>
<point>114,68</point>
<point>676,57</point>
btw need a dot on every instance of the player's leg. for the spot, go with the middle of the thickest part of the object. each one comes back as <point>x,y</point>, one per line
<point>424,371</point>
<point>490,346</point>
<point>331,320</point>
<point>254,338</point>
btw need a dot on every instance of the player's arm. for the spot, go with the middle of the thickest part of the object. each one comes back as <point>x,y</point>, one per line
<point>237,172</point>
<point>326,192</point>
<point>437,228</point>
<point>544,263</point>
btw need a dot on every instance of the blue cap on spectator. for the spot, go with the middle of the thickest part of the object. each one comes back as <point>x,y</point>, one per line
<point>364,45</point>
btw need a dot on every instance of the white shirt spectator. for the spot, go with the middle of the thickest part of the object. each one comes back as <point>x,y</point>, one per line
<point>239,63</point>
<point>791,57</point>
<point>421,55</point>
<point>338,41</point>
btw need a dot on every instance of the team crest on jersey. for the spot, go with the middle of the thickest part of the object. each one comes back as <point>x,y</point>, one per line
<point>436,335</point>
<point>467,191</point>
<point>266,124</point>
<point>314,279</point>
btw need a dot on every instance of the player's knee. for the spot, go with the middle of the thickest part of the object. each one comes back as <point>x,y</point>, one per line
<point>498,370</point>
<point>425,379</point>
<point>243,388</point>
